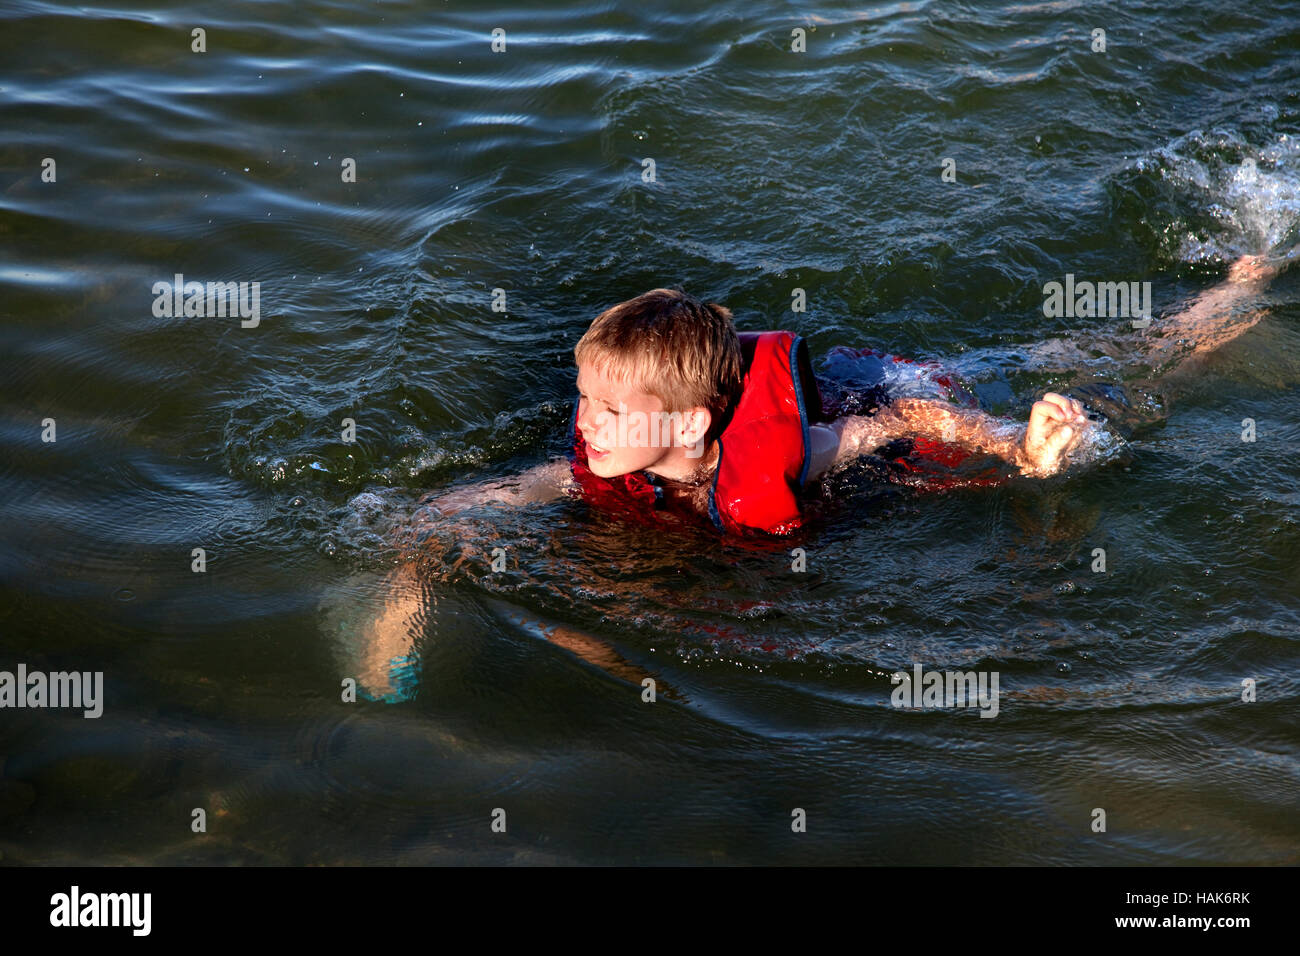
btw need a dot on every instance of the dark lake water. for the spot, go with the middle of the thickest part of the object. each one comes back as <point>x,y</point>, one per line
<point>1160,159</point>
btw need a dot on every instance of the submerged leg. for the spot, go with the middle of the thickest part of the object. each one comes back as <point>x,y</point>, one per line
<point>374,624</point>
<point>1212,319</point>
<point>1152,363</point>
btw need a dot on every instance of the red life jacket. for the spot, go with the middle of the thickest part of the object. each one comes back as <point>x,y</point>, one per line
<point>763,449</point>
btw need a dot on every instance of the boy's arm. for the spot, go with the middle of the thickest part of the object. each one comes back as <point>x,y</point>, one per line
<point>436,511</point>
<point>1038,449</point>
<point>543,482</point>
<point>387,638</point>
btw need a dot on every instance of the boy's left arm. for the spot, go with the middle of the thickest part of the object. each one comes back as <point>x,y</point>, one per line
<point>1056,424</point>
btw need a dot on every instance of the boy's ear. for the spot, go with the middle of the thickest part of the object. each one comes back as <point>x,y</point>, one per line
<point>695,425</point>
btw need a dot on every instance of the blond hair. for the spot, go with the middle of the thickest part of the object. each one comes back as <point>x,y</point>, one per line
<point>670,345</point>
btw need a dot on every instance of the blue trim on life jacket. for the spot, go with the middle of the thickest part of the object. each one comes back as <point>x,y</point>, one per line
<point>803,411</point>
<point>714,514</point>
<point>653,481</point>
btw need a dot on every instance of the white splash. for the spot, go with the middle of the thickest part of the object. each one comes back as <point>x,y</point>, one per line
<point>1246,200</point>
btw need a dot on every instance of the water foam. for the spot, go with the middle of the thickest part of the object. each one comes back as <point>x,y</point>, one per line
<point>1229,197</point>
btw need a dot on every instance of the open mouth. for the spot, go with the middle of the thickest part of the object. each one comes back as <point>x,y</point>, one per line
<point>595,452</point>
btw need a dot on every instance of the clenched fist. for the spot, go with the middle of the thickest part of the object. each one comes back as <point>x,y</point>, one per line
<point>1055,426</point>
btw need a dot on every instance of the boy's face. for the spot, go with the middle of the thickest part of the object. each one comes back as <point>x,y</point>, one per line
<point>628,430</point>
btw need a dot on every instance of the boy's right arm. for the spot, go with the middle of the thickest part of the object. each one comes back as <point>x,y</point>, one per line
<point>388,637</point>
<point>543,482</point>
<point>436,512</point>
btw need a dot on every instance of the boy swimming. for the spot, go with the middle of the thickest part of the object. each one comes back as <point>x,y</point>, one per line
<point>678,413</point>
<point>745,439</point>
